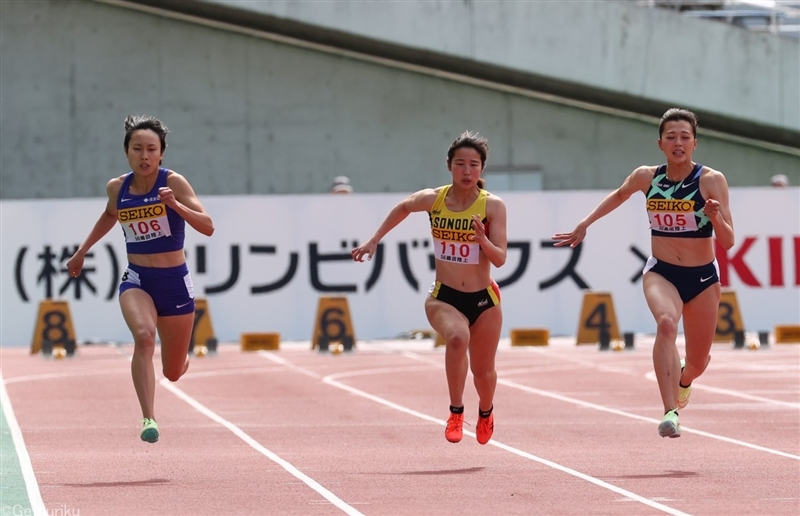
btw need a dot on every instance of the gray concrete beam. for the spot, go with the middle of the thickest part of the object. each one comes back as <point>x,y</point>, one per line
<point>612,54</point>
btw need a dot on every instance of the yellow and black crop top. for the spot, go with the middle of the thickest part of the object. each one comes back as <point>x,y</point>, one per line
<point>675,209</point>
<point>452,232</point>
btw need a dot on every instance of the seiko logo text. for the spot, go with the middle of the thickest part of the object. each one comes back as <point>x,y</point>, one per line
<point>452,236</point>
<point>143,212</point>
<point>670,205</point>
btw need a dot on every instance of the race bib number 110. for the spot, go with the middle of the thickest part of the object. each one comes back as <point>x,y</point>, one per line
<point>457,252</point>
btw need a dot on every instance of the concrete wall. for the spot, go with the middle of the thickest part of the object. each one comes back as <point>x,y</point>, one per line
<point>617,46</point>
<point>251,115</point>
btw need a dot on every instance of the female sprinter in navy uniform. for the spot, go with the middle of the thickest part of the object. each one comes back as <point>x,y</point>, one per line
<point>152,204</point>
<point>686,203</point>
<point>468,225</point>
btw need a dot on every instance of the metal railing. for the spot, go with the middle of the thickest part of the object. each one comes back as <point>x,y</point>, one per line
<point>780,17</point>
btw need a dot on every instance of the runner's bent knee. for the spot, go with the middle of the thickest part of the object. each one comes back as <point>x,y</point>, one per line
<point>144,337</point>
<point>667,325</point>
<point>457,341</point>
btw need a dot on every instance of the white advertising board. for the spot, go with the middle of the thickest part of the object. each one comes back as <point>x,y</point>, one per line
<point>272,257</point>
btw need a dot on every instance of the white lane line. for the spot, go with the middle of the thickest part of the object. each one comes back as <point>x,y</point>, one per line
<point>602,408</point>
<point>31,485</point>
<point>235,430</point>
<point>722,363</point>
<point>70,374</point>
<point>587,404</point>
<point>239,371</point>
<point>238,432</point>
<point>282,361</point>
<point>332,380</point>
<point>738,394</point>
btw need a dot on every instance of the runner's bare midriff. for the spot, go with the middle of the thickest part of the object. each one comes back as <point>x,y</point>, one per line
<point>159,260</point>
<point>466,278</point>
<point>685,252</point>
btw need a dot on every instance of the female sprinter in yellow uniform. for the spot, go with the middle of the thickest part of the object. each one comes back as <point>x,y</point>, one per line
<point>468,226</point>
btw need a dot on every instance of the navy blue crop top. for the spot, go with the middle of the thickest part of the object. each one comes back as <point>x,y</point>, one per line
<point>149,225</point>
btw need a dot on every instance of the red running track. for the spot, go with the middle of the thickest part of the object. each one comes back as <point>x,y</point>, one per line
<point>300,432</point>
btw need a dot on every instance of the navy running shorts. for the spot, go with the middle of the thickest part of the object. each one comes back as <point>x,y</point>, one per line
<point>690,281</point>
<point>170,287</point>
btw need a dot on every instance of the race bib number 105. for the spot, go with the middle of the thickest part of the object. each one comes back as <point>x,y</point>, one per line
<point>672,221</point>
<point>671,215</point>
<point>145,222</point>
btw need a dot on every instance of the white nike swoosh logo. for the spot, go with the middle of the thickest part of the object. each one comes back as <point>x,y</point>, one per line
<point>687,185</point>
<point>703,280</point>
<point>125,200</point>
<point>181,306</point>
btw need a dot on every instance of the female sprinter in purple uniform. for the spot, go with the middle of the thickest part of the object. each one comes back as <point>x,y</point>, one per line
<point>152,204</point>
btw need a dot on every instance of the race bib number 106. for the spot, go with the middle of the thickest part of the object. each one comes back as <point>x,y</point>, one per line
<point>145,222</point>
